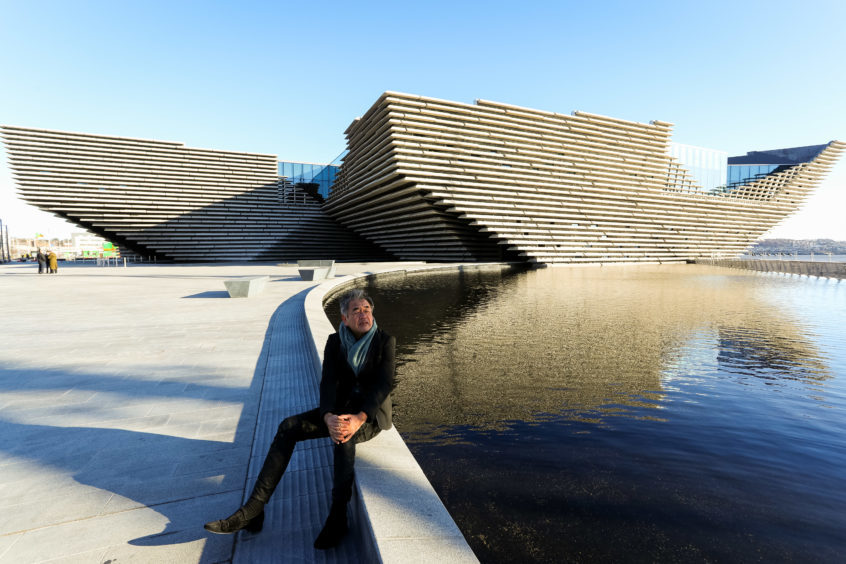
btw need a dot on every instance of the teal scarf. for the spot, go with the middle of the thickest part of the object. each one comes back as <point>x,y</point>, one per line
<point>355,350</point>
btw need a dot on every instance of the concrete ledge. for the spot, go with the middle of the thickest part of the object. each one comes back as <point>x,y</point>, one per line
<point>246,287</point>
<point>399,514</point>
<point>402,518</point>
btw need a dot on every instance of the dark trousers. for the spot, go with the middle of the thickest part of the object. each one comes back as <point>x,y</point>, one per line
<point>303,427</point>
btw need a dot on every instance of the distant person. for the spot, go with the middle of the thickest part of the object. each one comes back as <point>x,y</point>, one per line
<point>53,261</point>
<point>355,405</point>
<point>42,261</point>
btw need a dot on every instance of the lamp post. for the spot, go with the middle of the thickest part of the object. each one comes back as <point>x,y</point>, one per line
<point>4,247</point>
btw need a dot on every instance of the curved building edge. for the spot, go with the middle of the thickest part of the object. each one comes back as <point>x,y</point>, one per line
<point>164,200</point>
<point>430,179</point>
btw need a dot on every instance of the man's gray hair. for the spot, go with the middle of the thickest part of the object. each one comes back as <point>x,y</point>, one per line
<point>352,295</point>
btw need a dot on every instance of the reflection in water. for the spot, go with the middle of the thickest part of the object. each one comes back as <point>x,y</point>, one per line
<point>571,340</point>
<point>768,355</point>
<point>625,413</point>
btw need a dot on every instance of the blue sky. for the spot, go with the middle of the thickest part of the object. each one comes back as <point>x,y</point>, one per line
<point>287,78</point>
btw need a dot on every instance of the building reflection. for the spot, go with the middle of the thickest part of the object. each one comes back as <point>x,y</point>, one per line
<point>487,349</point>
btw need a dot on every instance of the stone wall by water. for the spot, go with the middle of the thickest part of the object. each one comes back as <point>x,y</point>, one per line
<point>825,269</point>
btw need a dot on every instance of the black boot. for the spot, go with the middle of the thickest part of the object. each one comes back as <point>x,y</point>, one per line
<point>250,517</point>
<point>334,529</point>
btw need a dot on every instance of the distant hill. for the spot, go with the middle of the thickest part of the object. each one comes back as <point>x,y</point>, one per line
<point>800,246</point>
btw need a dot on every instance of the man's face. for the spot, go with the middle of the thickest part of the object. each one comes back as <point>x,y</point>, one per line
<point>359,317</point>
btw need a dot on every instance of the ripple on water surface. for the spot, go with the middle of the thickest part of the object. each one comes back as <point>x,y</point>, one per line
<point>649,413</point>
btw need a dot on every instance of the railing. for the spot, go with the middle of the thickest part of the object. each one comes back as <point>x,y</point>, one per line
<point>823,269</point>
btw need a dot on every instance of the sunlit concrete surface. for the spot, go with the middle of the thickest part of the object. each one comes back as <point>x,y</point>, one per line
<point>128,409</point>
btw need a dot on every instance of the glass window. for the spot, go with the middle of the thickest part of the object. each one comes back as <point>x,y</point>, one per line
<point>309,173</point>
<point>707,167</point>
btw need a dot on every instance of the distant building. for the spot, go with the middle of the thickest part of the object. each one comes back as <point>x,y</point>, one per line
<point>426,179</point>
<point>86,245</point>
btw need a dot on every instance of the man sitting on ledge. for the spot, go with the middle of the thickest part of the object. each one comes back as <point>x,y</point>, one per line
<point>355,404</point>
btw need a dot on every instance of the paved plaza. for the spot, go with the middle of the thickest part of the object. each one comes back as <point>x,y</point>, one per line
<point>130,399</point>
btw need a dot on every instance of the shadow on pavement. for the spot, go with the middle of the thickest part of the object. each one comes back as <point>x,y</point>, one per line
<point>210,294</point>
<point>186,479</point>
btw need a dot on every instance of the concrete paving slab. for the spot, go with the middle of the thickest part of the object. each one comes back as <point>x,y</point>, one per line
<point>49,512</point>
<point>7,542</point>
<point>129,404</point>
<point>175,539</point>
<point>82,558</point>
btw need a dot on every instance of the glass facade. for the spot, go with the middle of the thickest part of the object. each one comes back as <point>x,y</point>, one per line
<point>744,174</point>
<point>755,165</point>
<point>712,169</point>
<point>707,166</point>
<point>308,173</point>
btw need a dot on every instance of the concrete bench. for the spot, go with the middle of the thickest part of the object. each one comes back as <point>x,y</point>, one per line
<point>316,269</point>
<point>313,273</point>
<point>246,287</point>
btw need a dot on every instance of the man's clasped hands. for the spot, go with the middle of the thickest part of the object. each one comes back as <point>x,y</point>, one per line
<point>343,427</point>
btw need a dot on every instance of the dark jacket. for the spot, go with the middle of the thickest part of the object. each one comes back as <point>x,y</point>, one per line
<point>342,392</point>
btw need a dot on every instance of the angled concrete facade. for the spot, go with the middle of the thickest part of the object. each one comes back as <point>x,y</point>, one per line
<point>162,199</point>
<point>423,179</point>
<point>434,179</point>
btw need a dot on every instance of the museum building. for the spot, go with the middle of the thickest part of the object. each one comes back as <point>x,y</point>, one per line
<point>426,179</point>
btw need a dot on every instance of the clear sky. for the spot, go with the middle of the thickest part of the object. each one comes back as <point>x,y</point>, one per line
<point>287,78</point>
